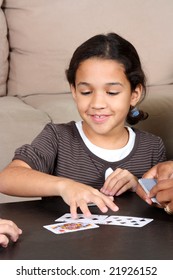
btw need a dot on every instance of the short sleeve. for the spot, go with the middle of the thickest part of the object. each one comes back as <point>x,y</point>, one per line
<point>42,152</point>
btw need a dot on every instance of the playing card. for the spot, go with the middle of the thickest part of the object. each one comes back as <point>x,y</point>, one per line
<point>61,228</point>
<point>91,204</point>
<point>108,172</point>
<point>127,221</point>
<point>147,185</point>
<point>94,219</point>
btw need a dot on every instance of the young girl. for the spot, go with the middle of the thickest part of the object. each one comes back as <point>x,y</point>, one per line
<point>73,160</point>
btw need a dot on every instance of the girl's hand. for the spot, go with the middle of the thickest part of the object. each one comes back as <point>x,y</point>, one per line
<point>118,182</point>
<point>79,195</point>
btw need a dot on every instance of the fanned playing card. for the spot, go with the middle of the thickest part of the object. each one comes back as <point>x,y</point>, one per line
<point>94,219</point>
<point>67,227</point>
<point>127,221</point>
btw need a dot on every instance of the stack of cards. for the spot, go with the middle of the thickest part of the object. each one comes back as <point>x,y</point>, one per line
<point>147,184</point>
<point>66,224</point>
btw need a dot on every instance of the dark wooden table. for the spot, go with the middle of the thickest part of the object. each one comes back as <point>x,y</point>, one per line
<point>151,242</point>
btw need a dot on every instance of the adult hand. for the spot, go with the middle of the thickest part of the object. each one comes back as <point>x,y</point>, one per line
<point>142,194</point>
<point>163,190</point>
<point>8,231</point>
<point>160,171</point>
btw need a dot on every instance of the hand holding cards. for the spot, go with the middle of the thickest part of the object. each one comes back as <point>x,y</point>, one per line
<point>147,185</point>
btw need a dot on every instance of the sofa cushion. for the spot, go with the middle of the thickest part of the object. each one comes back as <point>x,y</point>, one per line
<point>4,52</point>
<point>43,35</point>
<point>60,108</point>
<point>19,123</point>
<point>158,103</point>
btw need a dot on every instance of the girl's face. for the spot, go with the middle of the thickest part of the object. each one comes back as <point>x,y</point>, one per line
<point>103,96</point>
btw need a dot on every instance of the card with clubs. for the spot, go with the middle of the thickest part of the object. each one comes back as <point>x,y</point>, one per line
<point>67,227</point>
<point>94,219</point>
<point>147,184</point>
<point>127,221</point>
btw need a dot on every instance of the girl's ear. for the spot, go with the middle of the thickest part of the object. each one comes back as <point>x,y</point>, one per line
<point>73,91</point>
<point>136,95</point>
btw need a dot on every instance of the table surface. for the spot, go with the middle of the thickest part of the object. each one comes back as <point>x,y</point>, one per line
<point>151,242</point>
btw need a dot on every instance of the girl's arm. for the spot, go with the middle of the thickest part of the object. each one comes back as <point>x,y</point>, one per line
<point>19,179</point>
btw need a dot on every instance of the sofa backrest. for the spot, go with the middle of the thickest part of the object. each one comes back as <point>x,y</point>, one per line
<point>43,35</point>
<point>4,52</point>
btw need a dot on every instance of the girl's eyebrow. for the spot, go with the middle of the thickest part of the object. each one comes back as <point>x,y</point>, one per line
<point>83,84</point>
<point>115,84</point>
<point>108,84</point>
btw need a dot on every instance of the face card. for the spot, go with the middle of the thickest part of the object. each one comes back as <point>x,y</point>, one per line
<point>94,219</point>
<point>127,221</point>
<point>147,185</point>
<point>61,228</point>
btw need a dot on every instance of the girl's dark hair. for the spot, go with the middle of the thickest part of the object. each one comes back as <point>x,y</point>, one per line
<point>113,47</point>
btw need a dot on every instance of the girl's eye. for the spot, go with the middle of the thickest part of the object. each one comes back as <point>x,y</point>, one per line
<point>113,92</point>
<point>85,92</point>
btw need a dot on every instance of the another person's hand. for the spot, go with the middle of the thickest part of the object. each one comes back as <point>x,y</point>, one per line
<point>8,231</point>
<point>118,182</point>
<point>163,190</point>
<point>142,194</point>
<point>160,171</point>
<point>79,195</point>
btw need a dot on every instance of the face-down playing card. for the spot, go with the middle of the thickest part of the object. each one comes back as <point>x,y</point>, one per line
<point>61,228</point>
<point>94,219</point>
<point>147,184</point>
<point>127,221</point>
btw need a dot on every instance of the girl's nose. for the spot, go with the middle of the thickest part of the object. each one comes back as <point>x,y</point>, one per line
<point>98,101</point>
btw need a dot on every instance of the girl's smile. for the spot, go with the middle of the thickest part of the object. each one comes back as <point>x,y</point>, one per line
<point>99,118</point>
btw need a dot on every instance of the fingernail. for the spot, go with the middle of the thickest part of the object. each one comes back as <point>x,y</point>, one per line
<point>148,201</point>
<point>74,217</point>
<point>104,209</point>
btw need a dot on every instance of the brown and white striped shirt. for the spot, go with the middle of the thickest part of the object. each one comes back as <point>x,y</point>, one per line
<point>59,150</point>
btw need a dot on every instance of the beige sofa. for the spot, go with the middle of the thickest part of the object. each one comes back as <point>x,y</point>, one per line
<point>37,39</point>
